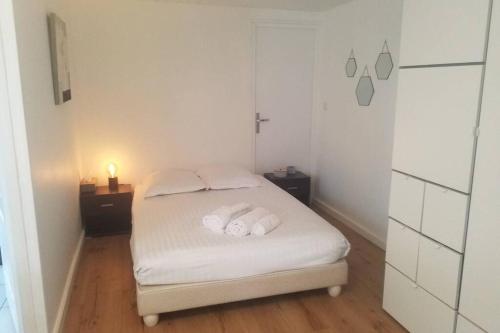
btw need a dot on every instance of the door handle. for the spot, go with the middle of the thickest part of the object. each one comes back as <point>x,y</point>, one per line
<point>259,120</point>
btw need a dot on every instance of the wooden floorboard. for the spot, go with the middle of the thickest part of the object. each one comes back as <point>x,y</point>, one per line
<point>103,299</point>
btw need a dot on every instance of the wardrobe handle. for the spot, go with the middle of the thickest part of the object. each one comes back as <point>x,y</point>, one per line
<point>107,205</point>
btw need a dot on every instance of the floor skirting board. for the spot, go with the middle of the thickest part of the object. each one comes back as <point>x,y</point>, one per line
<point>68,286</point>
<point>350,222</point>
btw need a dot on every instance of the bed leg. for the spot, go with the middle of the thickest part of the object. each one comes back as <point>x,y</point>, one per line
<point>335,290</point>
<point>151,320</point>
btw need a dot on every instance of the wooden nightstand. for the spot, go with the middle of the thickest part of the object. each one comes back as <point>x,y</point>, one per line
<point>106,212</point>
<point>298,185</point>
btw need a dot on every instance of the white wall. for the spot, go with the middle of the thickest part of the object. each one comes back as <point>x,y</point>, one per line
<point>52,153</point>
<point>355,145</point>
<point>162,84</point>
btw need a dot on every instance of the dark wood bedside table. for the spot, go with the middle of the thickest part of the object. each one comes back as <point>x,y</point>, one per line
<point>106,212</point>
<point>298,185</point>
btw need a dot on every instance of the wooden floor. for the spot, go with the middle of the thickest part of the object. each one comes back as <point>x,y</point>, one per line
<point>103,299</point>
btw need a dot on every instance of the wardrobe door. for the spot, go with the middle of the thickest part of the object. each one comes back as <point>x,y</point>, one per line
<point>439,271</point>
<point>445,216</point>
<point>407,196</point>
<point>433,315</point>
<point>465,326</point>
<point>400,298</point>
<point>413,307</point>
<point>435,121</point>
<point>480,293</point>
<point>443,31</point>
<point>402,249</point>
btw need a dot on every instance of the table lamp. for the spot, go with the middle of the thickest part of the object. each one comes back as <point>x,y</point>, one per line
<point>113,179</point>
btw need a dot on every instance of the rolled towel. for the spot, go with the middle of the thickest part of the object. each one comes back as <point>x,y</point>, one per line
<point>242,226</point>
<point>219,218</point>
<point>265,225</point>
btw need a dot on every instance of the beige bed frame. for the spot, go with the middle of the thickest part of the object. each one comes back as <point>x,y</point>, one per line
<point>153,300</point>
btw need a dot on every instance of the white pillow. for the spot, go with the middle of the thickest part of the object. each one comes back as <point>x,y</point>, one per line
<point>172,181</point>
<point>218,177</point>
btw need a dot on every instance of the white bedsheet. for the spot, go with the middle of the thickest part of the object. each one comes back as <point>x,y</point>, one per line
<point>170,245</point>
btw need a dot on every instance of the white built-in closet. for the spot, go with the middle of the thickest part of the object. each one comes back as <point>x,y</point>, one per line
<point>443,253</point>
<point>480,293</point>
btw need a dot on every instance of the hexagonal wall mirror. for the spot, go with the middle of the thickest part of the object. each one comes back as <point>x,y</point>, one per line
<point>365,89</point>
<point>384,64</point>
<point>351,66</point>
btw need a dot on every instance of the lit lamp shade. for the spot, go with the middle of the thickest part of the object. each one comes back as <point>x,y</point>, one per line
<point>112,179</point>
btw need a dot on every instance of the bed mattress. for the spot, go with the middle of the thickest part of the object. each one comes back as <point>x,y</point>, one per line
<point>170,245</point>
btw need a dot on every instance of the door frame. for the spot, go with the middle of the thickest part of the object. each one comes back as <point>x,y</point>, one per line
<point>311,24</point>
<point>19,207</point>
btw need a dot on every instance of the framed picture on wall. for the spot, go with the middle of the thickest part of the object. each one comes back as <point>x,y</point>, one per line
<point>59,59</point>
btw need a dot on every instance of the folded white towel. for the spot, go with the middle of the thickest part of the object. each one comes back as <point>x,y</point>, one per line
<point>242,226</point>
<point>219,218</point>
<point>265,225</point>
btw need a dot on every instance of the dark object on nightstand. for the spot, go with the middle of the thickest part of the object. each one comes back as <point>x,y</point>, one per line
<point>88,185</point>
<point>107,212</point>
<point>298,185</point>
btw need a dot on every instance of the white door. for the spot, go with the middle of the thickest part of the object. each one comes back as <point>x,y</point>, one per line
<point>284,67</point>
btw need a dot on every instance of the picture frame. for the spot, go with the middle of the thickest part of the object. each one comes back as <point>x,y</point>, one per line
<point>59,59</point>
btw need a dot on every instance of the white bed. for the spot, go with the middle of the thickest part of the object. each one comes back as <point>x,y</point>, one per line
<point>171,248</point>
<point>170,245</point>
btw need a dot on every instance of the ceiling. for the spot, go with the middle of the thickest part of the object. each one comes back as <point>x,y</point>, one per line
<point>304,5</point>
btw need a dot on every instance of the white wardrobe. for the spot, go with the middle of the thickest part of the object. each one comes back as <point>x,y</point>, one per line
<point>480,293</point>
<point>443,244</point>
